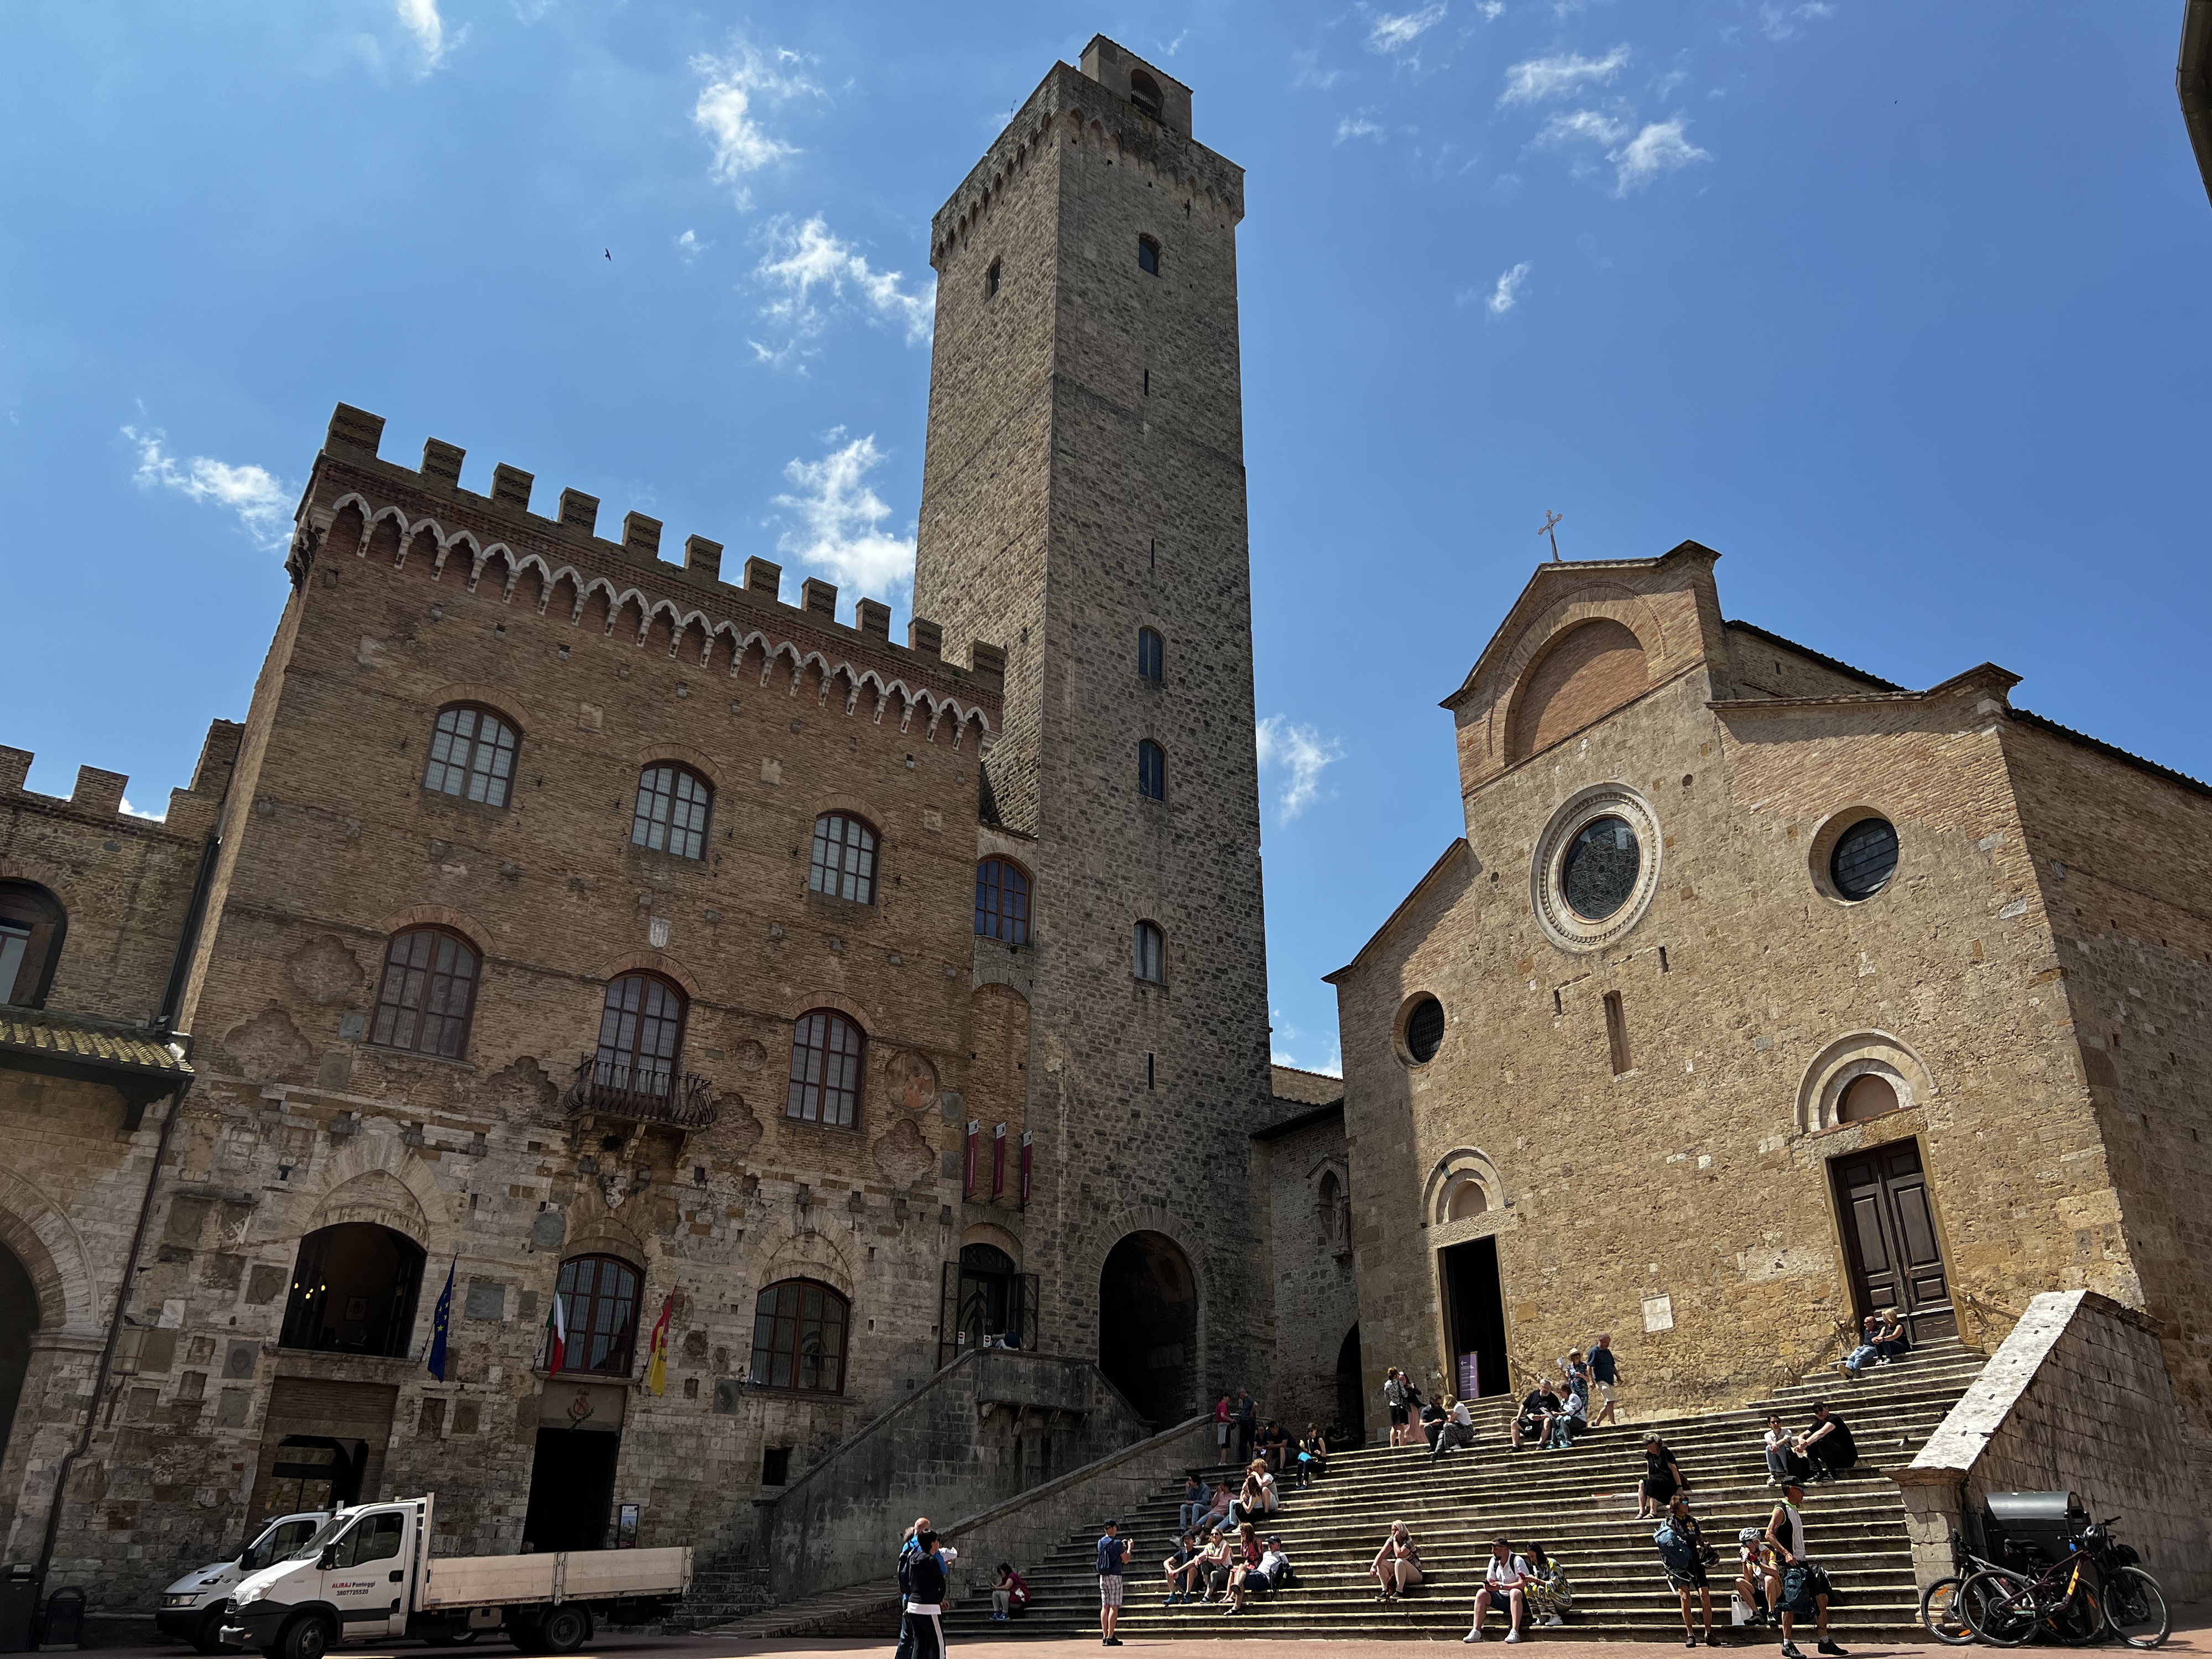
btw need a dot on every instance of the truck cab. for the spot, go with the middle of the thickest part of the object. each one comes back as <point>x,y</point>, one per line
<point>193,1608</point>
<point>368,1575</point>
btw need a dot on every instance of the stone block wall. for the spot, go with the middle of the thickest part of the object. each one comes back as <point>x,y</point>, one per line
<point>1304,1170</point>
<point>2076,1398</point>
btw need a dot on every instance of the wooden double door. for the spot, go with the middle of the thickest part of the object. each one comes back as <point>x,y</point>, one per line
<point>1894,1252</point>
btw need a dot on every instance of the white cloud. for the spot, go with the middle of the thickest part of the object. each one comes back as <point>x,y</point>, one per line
<point>157,817</point>
<point>1507,294</point>
<point>1492,10</point>
<point>1779,22</point>
<point>808,269</point>
<point>725,111</point>
<point>1302,753</point>
<point>420,19</point>
<point>1310,73</point>
<point>1397,33</point>
<point>840,520</point>
<point>1537,78</point>
<point>1660,147</point>
<point>690,247</point>
<point>1357,126</point>
<point>254,493</point>
<point>1582,125</point>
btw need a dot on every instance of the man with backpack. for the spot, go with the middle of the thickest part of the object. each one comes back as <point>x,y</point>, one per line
<point>1793,1583</point>
<point>1113,1564</point>
<point>1684,1554</point>
<point>923,1578</point>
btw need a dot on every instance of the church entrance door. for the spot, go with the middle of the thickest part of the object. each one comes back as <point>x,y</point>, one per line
<point>1474,1318</point>
<point>1350,1397</point>
<point>1889,1239</point>
<point>1148,1326</point>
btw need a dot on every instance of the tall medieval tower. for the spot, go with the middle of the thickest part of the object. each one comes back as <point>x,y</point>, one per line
<point>1084,487</point>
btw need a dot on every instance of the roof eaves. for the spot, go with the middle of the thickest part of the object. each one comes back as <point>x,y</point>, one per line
<point>2112,751</point>
<point>1820,657</point>
<point>1305,1120</point>
<point>1405,904</point>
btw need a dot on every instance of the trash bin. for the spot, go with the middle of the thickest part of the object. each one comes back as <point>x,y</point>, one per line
<point>65,1627</point>
<point>2032,1529</point>
<point>19,1601</point>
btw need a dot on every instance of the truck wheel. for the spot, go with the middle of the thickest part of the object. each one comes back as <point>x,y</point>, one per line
<point>568,1628</point>
<point>208,1637</point>
<point>307,1637</point>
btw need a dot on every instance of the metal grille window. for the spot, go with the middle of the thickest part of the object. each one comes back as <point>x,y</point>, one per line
<point>825,1070</point>
<point>799,1337</point>
<point>471,755</point>
<point>1599,872</point>
<point>598,1301</point>
<point>672,805</point>
<point>1148,256</point>
<point>641,1035</point>
<point>1150,954</point>
<point>1865,858</point>
<point>1002,901</point>
<point>1152,770</point>
<point>1424,1030</point>
<point>844,859</point>
<point>430,989</point>
<point>1151,653</point>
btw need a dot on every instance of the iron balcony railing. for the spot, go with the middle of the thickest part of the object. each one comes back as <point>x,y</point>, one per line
<point>642,1094</point>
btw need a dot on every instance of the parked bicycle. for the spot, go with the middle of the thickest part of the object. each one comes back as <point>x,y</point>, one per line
<point>1941,1614</point>
<point>2096,1586</point>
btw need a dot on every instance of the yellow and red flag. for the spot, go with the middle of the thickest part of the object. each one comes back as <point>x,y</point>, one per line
<point>656,1364</point>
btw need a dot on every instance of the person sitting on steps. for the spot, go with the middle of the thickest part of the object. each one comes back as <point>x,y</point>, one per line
<point>1243,1561</point>
<point>1890,1340</point>
<point>1528,1422</point>
<point>1182,1568</point>
<point>1662,1478</point>
<point>1571,1419</point>
<point>1550,1601</point>
<point>1214,1569</point>
<point>1195,1502</point>
<point>1010,1595</point>
<point>1827,1443</point>
<point>1504,1580</point>
<point>1751,1574</point>
<point>1784,1461</point>
<point>1867,1351</point>
<point>1397,1565</point>
<point>1457,1431</point>
<point>1313,1456</point>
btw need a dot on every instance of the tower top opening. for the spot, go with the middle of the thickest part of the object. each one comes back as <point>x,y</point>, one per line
<point>1150,89</point>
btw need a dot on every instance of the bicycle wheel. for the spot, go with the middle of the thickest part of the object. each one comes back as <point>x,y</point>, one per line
<point>1999,1607</point>
<point>1940,1615</point>
<point>2135,1608</point>
<point>2080,1619</point>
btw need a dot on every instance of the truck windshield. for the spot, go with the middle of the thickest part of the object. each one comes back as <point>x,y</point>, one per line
<point>330,1530</point>
<point>274,1545</point>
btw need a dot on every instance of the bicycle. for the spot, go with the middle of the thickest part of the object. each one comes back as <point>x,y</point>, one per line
<point>1941,1614</point>
<point>2134,1605</point>
<point>2005,1606</point>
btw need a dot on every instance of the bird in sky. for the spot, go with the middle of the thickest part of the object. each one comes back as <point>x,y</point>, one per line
<point>610,252</point>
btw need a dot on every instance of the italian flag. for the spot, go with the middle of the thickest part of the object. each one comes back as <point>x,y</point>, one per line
<point>556,1337</point>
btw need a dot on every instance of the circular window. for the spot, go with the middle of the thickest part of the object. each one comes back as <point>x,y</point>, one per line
<point>1596,868</point>
<point>1424,1030</point>
<point>1864,859</point>
<point>1598,875</point>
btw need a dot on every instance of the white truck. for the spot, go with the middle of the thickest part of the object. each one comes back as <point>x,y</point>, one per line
<point>193,1608</point>
<point>367,1576</point>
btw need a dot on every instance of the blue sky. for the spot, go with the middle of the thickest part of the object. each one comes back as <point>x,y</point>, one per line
<point>1900,306</point>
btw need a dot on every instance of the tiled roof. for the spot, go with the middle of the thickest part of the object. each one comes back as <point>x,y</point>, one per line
<point>34,1033</point>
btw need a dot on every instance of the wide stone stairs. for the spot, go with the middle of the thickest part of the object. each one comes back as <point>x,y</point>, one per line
<point>1580,1505</point>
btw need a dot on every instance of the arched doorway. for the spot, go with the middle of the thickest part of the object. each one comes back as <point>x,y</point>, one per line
<point>1350,1397</point>
<point>989,1306</point>
<point>19,1318</point>
<point>353,1290</point>
<point>1148,1326</point>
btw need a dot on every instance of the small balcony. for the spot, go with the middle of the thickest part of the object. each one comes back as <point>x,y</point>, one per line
<point>639,1095</point>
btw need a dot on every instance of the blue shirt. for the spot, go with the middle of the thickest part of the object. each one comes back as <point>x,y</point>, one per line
<point>1112,1551</point>
<point>1601,1364</point>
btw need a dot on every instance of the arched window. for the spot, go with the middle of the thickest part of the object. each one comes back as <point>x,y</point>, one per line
<point>428,992</point>
<point>1145,93</point>
<point>641,1036</point>
<point>672,805</point>
<point>1002,901</point>
<point>1152,770</point>
<point>991,281</point>
<point>799,1337</point>
<point>598,1303</point>
<point>32,923</point>
<point>1329,1207</point>
<point>1151,654</point>
<point>1466,1201</point>
<point>826,1051</point>
<point>471,755</point>
<point>844,859</point>
<point>1148,256</point>
<point>1151,953</point>
<point>353,1290</point>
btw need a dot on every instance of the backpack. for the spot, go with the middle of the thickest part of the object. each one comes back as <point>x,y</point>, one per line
<point>1678,1555</point>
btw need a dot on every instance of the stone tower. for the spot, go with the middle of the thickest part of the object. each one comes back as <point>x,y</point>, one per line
<point>1085,482</point>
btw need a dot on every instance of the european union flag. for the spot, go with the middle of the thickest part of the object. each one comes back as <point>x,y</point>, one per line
<point>440,1320</point>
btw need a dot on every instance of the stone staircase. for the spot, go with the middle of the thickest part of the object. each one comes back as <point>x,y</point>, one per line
<point>1579,1503</point>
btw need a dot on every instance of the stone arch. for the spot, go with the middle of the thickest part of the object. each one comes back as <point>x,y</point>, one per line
<point>1330,1182</point>
<point>374,1195</point>
<point>1848,1059</point>
<point>498,698</point>
<point>983,1232</point>
<point>663,754</point>
<point>436,915</point>
<point>1150,1334</point>
<point>378,1150</point>
<point>1458,1173</point>
<point>648,961</point>
<point>1585,671</point>
<point>53,1253</point>
<point>1609,600</point>
<point>810,1253</point>
<point>604,1233</point>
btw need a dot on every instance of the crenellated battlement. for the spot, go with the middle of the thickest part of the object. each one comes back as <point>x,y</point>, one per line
<point>98,793</point>
<point>562,567</point>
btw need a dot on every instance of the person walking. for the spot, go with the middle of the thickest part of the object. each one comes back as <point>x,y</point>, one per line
<point>1401,1413</point>
<point>1605,1376</point>
<point>1504,1579</point>
<point>1113,1565</point>
<point>1222,1415</point>
<point>1684,1554</point>
<point>1792,1583</point>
